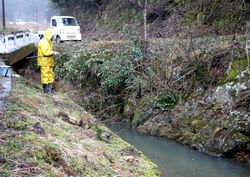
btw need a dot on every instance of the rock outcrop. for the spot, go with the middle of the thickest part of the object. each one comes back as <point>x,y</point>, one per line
<point>218,123</point>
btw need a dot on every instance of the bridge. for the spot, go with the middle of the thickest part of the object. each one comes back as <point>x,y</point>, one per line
<point>15,46</point>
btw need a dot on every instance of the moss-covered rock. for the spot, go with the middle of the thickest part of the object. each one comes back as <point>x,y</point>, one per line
<point>219,125</point>
<point>234,70</point>
<point>143,110</point>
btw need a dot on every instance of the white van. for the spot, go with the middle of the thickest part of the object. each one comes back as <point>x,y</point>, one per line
<point>65,28</point>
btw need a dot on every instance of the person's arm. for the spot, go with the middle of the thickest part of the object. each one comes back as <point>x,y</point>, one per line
<point>47,50</point>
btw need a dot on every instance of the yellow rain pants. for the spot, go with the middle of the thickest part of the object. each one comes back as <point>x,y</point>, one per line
<point>46,57</point>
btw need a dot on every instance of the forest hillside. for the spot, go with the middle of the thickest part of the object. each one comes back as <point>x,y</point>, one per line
<point>164,18</point>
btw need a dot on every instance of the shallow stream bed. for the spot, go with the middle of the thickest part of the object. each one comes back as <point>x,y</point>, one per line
<point>176,160</point>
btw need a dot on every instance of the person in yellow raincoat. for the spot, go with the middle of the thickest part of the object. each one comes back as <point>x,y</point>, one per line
<point>46,61</point>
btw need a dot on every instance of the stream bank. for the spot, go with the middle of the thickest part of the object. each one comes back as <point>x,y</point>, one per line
<point>217,123</point>
<point>43,135</point>
<point>195,91</point>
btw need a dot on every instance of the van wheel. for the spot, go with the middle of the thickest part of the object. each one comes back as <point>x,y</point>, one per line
<point>58,39</point>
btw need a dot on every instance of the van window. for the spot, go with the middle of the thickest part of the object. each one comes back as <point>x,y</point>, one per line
<point>69,22</point>
<point>54,23</point>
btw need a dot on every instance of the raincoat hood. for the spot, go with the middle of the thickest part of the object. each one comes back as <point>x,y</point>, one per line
<point>49,34</point>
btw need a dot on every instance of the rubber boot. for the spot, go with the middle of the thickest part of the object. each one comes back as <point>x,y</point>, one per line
<point>50,89</point>
<point>45,89</point>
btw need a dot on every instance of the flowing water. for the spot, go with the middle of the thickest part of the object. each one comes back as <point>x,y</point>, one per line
<point>176,160</point>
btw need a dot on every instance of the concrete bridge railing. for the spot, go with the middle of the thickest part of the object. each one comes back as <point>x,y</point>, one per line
<point>11,40</point>
<point>16,46</point>
<point>15,40</point>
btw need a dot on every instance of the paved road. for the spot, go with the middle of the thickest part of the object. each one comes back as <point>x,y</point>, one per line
<point>5,87</point>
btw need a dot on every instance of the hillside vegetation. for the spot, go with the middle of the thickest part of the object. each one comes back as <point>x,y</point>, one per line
<point>194,91</point>
<point>188,81</point>
<point>165,18</point>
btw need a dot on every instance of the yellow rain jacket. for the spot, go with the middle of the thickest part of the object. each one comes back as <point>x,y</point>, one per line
<point>46,57</point>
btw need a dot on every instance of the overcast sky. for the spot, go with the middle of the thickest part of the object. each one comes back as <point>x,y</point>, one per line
<point>28,10</point>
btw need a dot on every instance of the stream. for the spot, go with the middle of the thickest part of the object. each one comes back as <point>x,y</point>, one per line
<point>176,160</point>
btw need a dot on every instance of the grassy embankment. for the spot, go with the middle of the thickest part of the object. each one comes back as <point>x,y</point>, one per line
<point>38,138</point>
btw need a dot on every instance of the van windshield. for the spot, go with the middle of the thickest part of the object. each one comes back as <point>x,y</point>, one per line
<point>69,22</point>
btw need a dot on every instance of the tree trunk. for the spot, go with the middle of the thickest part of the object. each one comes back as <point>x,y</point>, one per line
<point>145,21</point>
<point>145,37</point>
